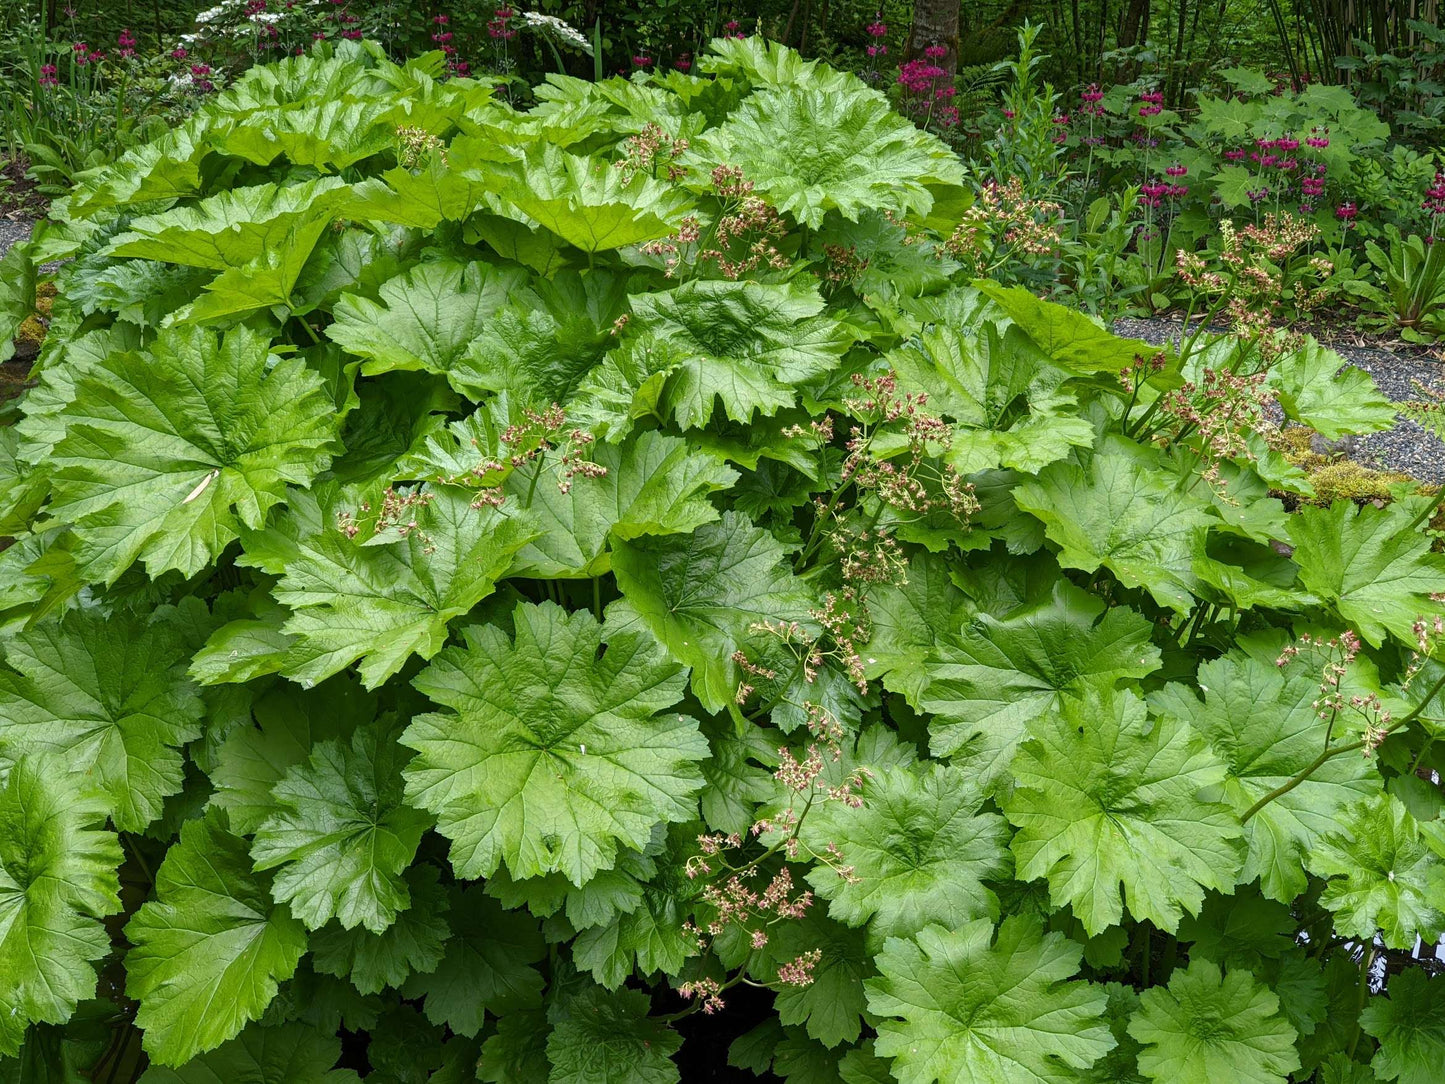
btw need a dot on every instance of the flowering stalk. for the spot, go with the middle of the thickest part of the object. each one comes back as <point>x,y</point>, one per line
<point>728,880</point>
<point>1339,653</point>
<point>743,237</point>
<point>912,488</point>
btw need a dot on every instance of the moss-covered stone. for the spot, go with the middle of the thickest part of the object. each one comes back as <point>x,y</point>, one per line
<point>1335,476</point>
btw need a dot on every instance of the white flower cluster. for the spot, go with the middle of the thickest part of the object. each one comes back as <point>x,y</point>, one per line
<point>228,7</point>
<point>211,14</point>
<point>565,32</point>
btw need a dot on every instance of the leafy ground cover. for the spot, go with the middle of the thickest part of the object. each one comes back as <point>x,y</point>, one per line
<point>527,596</point>
<point>1092,166</point>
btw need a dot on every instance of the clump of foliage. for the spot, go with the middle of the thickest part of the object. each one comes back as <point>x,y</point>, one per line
<point>496,586</point>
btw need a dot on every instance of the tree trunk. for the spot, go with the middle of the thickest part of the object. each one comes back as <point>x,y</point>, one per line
<point>1135,25</point>
<point>935,22</point>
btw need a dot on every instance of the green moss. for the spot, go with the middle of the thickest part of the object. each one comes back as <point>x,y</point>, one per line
<point>32,330</point>
<point>1348,479</point>
<point>30,335</point>
<point>1336,477</point>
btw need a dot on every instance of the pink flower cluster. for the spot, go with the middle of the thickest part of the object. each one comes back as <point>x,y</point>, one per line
<point>500,25</point>
<point>442,36</point>
<point>918,76</point>
<point>125,44</point>
<point>48,76</point>
<point>733,29</point>
<point>82,54</point>
<point>1153,193</point>
<point>926,85</point>
<point>344,19</point>
<point>1153,103</point>
<point>1264,157</point>
<point>1435,196</point>
<point>1092,99</point>
<point>877,30</point>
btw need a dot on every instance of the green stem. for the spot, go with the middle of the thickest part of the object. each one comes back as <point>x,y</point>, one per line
<point>597,597</point>
<point>1314,766</point>
<point>532,486</point>
<point>1171,955</point>
<point>1420,756</point>
<point>1424,515</point>
<point>1148,951</point>
<point>139,858</point>
<point>1366,962</point>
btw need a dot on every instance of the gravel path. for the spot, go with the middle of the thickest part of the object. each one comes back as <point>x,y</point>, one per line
<point>1406,447</point>
<point>12,232</point>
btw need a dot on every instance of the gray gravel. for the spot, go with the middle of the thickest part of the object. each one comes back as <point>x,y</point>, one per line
<point>12,232</point>
<point>1406,447</point>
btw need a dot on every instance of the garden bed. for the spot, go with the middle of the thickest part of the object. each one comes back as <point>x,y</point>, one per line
<point>526,595</point>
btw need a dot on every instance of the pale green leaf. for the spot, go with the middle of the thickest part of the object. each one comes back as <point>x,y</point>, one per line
<point>809,150</point>
<point>552,757</point>
<point>1382,875</point>
<point>413,944</point>
<point>749,343</point>
<point>1365,563</point>
<point>340,837</point>
<point>1124,825</point>
<point>1260,719</point>
<point>588,203</point>
<point>966,1006</point>
<point>231,228</point>
<point>384,598</point>
<point>1317,388</point>
<point>654,485</point>
<point>985,683</point>
<point>919,848</point>
<point>1208,1026</point>
<point>1410,1025</point>
<point>168,453</point>
<point>1126,514</point>
<point>699,593</point>
<point>57,881</point>
<point>109,697</point>
<point>426,318</point>
<point>210,948</point>
<point>288,721</point>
